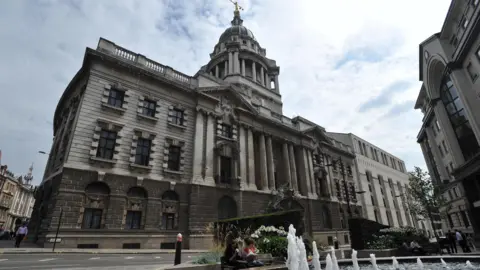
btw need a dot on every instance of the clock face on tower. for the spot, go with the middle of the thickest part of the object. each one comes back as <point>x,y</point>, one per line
<point>426,54</point>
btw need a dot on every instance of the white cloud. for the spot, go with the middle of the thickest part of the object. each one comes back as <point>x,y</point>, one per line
<point>44,41</point>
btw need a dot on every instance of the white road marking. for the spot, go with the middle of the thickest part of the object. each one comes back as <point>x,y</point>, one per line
<point>128,258</point>
<point>94,258</point>
<point>46,260</point>
<point>1,260</point>
<point>158,257</point>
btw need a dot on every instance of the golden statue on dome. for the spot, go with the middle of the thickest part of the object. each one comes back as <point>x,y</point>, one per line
<point>237,6</point>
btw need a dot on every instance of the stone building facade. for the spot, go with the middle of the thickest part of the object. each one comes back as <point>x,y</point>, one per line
<point>449,100</point>
<point>142,152</point>
<point>383,183</point>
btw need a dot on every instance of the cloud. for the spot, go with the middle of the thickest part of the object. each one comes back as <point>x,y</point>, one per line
<point>385,97</point>
<point>334,57</point>
<point>399,109</point>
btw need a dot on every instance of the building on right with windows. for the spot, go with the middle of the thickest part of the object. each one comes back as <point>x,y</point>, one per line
<point>383,184</point>
<point>449,100</point>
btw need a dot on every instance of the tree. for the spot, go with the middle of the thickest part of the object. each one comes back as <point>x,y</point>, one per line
<point>425,198</point>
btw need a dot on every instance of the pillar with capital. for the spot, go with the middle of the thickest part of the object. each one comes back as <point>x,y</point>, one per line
<point>198,147</point>
<point>254,71</point>
<point>243,156</point>
<point>209,149</point>
<point>251,160</point>
<point>313,183</point>
<point>230,62</point>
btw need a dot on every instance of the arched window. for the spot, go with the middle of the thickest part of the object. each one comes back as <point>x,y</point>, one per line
<point>460,124</point>
<point>227,208</point>
<point>95,205</point>
<point>327,221</point>
<point>136,205</point>
<point>170,204</point>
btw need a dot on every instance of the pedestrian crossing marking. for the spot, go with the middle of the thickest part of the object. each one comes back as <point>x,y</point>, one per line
<point>128,258</point>
<point>158,257</point>
<point>1,260</point>
<point>95,258</point>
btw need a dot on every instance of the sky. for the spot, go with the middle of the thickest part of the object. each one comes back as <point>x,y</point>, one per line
<point>348,65</point>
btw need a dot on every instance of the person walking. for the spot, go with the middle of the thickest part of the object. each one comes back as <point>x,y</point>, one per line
<point>459,238</point>
<point>452,241</point>
<point>21,234</point>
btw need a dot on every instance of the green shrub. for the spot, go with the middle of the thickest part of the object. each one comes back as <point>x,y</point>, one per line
<point>207,258</point>
<point>275,245</point>
<point>395,237</point>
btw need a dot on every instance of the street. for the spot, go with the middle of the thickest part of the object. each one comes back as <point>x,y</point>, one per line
<point>89,261</point>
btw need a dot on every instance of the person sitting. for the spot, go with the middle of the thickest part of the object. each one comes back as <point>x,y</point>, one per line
<point>250,253</point>
<point>231,255</point>
<point>416,248</point>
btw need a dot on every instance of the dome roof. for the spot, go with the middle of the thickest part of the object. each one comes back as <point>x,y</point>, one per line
<point>236,30</point>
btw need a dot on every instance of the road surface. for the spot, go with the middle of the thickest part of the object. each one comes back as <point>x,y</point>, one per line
<point>89,261</point>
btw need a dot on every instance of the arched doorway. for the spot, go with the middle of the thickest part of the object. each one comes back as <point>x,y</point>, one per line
<point>227,208</point>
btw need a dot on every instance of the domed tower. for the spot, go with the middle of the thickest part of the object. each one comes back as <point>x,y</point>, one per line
<point>239,59</point>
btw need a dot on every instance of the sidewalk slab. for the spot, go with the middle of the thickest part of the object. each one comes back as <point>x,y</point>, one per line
<point>96,251</point>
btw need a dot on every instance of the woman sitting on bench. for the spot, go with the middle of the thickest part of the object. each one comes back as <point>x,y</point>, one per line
<point>232,254</point>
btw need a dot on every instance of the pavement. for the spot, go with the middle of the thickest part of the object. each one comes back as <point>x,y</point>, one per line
<point>88,261</point>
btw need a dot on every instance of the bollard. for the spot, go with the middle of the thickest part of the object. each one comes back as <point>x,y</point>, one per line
<point>178,250</point>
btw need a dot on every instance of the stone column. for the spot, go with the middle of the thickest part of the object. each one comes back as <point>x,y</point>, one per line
<point>263,163</point>
<point>306,170</point>
<point>236,63</point>
<point>243,157</point>
<point>277,86</point>
<point>198,151</point>
<point>209,149</point>
<point>286,165</point>
<point>447,130</point>
<point>262,76</point>
<point>267,81</point>
<point>251,160</point>
<point>226,69</point>
<point>313,183</point>
<point>293,167</point>
<point>254,71</point>
<point>230,62</point>
<point>216,71</point>
<point>436,153</point>
<point>243,67</point>
<point>270,165</point>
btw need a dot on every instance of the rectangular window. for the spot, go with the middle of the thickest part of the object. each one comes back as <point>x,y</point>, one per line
<point>450,221</point>
<point>226,169</point>
<point>465,22</point>
<point>373,201</point>
<point>149,107</point>
<point>106,145</point>
<point>472,72</point>
<point>133,220</point>
<point>92,218</point>
<point>360,146</point>
<point>142,155</point>
<point>441,151</point>
<point>227,131</point>
<point>455,192</point>
<point>465,219</point>
<point>345,238</point>
<point>349,170</point>
<point>330,240</point>
<point>115,98</point>
<point>168,221</point>
<point>337,187</point>
<point>177,117</point>
<point>445,147</point>
<point>174,158</point>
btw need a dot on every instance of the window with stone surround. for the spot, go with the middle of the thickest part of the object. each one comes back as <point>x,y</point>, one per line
<point>349,170</point>
<point>106,141</point>
<point>133,220</point>
<point>327,220</point>
<point>148,108</point>
<point>115,97</point>
<point>106,144</point>
<point>226,129</point>
<point>225,169</point>
<point>92,212</point>
<point>143,148</point>
<point>136,206</point>
<point>174,155</point>
<point>337,189</point>
<point>170,205</point>
<point>177,116</point>
<point>92,218</point>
